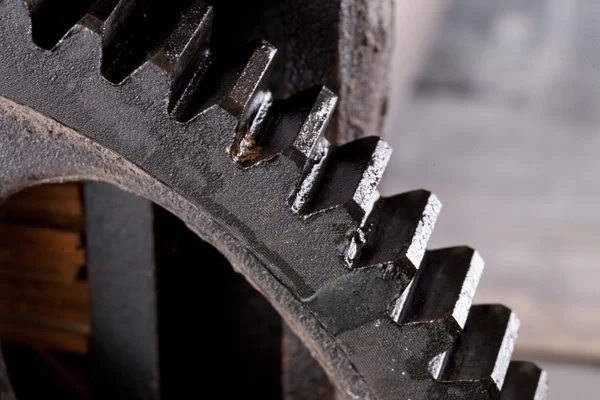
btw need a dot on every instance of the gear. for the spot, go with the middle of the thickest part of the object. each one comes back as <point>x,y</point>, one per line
<point>198,132</point>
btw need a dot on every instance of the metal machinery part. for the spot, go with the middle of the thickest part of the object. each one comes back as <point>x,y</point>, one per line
<point>198,132</point>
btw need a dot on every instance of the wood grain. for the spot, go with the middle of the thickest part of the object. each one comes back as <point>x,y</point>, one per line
<point>71,339</point>
<point>43,303</point>
<point>52,206</point>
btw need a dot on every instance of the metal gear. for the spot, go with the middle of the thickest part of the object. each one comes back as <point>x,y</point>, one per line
<point>199,133</point>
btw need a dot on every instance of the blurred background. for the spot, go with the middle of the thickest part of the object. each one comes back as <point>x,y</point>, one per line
<point>496,109</point>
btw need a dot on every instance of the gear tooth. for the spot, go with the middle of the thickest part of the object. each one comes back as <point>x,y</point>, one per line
<point>184,47</point>
<point>483,350</point>
<point>524,381</point>
<point>346,176</point>
<point>51,20</point>
<point>187,51</point>
<point>134,32</point>
<point>293,126</point>
<point>314,127</point>
<point>253,79</point>
<point>232,82</point>
<point>397,232</point>
<point>443,289</point>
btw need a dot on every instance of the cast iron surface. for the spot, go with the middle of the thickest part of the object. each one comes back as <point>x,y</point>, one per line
<point>200,133</point>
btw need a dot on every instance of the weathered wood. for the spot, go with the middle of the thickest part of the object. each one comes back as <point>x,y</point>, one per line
<point>47,302</point>
<point>42,302</point>
<point>26,235</point>
<point>41,263</point>
<point>53,206</point>
<point>47,336</point>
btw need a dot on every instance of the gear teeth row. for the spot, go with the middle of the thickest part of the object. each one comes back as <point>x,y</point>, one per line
<point>174,36</point>
<point>294,127</point>
<point>200,79</point>
<point>483,336</point>
<point>443,289</point>
<point>524,381</point>
<point>482,353</point>
<point>348,178</point>
<point>396,233</point>
<point>136,30</point>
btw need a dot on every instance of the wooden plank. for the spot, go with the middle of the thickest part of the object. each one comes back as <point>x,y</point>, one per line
<point>41,263</point>
<point>41,254</point>
<point>45,301</point>
<point>54,206</point>
<point>21,235</point>
<point>72,339</point>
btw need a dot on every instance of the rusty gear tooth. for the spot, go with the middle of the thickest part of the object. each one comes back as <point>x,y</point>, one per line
<point>525,381</point>
<point>293,126</point>
<point>443,289</point>
<point>482,352</point>
<point>51,20</point>
<point>347,178</point>
<point>396,233</point>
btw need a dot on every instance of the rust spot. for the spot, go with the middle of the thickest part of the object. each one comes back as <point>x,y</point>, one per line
<point>245,150</point>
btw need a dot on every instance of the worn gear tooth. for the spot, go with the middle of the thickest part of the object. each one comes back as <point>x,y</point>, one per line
<point>232,82</point>
<point>134,32</point>
<point>524,381</point>
<point>52,19</point>
<point>292,126</point>
<point>348,177</point>
<point>443,289</point>
<point>184,47</point>
<point>482,352</point>
<point>252,80</point>
<point>396,233</point>
<point>187,49</point>
<point>314,127</point>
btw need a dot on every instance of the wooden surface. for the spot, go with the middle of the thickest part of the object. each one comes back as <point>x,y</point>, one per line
<point>55,206</point>
<point>44,301</point>
<point>503,125</point>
